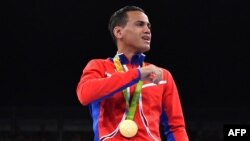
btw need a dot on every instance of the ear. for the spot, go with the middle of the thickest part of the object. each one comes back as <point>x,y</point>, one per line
<point>117,32</point>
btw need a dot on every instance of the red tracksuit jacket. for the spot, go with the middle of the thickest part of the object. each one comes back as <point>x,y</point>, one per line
<point>100,87</point>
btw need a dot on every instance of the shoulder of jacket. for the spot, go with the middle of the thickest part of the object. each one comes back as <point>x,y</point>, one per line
<point>100,61</point>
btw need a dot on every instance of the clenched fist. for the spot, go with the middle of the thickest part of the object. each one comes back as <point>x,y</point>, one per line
<point>151,73</point>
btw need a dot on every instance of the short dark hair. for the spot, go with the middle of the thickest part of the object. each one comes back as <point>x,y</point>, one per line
<point>119,18</point>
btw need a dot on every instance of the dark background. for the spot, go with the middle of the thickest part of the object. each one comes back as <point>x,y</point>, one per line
<point>46,44</point>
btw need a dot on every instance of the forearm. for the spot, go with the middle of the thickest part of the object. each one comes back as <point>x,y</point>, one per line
<point>92,88</point>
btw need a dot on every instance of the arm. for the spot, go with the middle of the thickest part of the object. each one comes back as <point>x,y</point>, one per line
<point>172,117</point>
<point>95,85</point>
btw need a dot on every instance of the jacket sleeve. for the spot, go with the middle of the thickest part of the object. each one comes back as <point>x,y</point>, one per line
<point>94,85</point>
<point>172,117</point>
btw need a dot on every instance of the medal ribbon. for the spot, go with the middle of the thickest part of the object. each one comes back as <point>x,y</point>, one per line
<point>132,107</point>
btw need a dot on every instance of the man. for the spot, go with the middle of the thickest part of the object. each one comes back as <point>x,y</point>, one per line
<point>128,97</point>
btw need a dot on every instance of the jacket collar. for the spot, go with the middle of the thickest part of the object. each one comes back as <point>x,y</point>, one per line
<point>137,59</point>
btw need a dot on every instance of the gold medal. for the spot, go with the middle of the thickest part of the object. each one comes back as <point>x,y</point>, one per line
<point>128,128</point>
